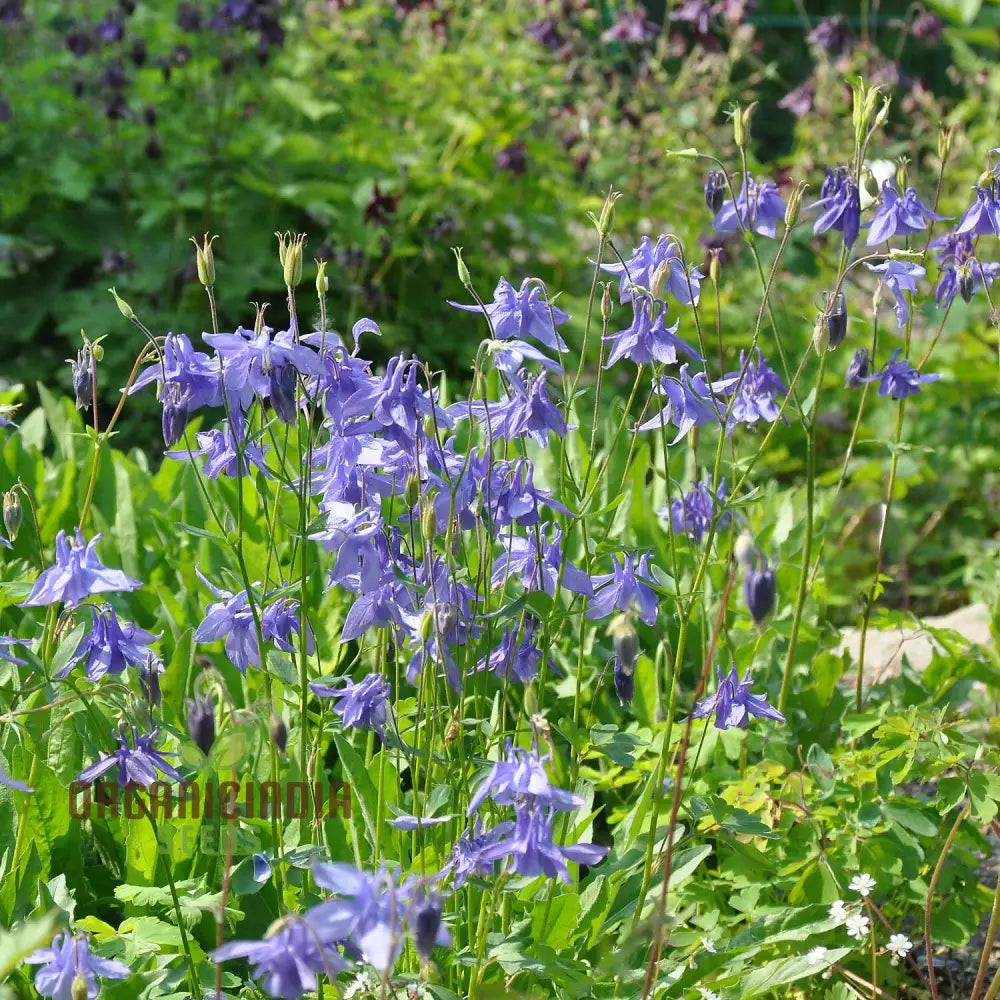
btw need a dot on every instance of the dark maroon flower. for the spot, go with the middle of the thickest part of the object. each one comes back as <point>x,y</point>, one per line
<point>188,17</point>
<point>512,158</point>
<point>381,206</point>
<point>927,27</point>
<point>11,11</point>
<point>6,112</point>
<point>114,77</point>
<point>79,42</point>
<point>138,54</point>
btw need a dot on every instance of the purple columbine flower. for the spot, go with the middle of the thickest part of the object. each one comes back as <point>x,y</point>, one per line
<point>518,656</point>
<point>694,512</point>
<point>520,559</point>
<point>231,618</point>
<point>520,776</point>
<point>509,357</point>
<point>648,339</point>
<point>469,853</point>
<point>76,574</point>
<point>830,34</point>
<point>900,277</point>
<point>982,217</point>
<point>960,273</point>
<point>857,370</point>
<point>758,208</point>
<point>517,315</point>
<point>532,851</point>
<point>626,589</point>
<point>840,204</point>
<point>733,704</point>
<point>361,705</point>
<point>111,646</point>
<point>689,404</point>
<point>527,412</point>
<point>6,641</point>
<point>222,450</point>
<point>759,592</point>
<point>67,958</point>
<point>512,495</point>
<point>194,373</point>
<point>632,28</point>
<point>899,216</point>
<point>756,387</point>
<point>636,273</point>
<point>136,764</point>
<point>899,378</point>
<point>289,960</point>
<point>280,621</point>
<point>249,361</point>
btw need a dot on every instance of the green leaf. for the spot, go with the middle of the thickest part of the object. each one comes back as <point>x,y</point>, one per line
<point>18,944</point>
<point>622,748</point>
<point>362,788</point>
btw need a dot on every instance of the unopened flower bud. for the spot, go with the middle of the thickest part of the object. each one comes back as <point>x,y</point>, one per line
<point>149,681</point>
<point>715,190</point>
<point>463,271</point>
<point>821,334</point>
<point>759,591</point>
<point>13,513</point>
<point>836,320</point>
<point>901,169</point>
<point>83,377</point>
<point>78,989</point>
<point>946,136</point>
<point>857,370</point>
<point>964,280</point>
<point>426,926</point>
<point>426,625</point>
<point>201,722</point>
<point>281,391</point>
<point>175,413</point>
<point>745,551</point>
<point>290,247</point>
<point>279,732</point>
<point>530,699</point>
<point>606,304</point>
<point>205,260</point>
<point>741,125</point>
<point>878,295</point>
<point>625,640</point>
<point>322,281</point>
<point>123,307</point>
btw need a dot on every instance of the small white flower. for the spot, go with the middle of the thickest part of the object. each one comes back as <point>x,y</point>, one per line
<point>862,884</point>
<point>900,945</point>
<point>708,994</point>
<point>709,945</point>
<point>817,955</point>
<point>838,912</point>
<point>857,926</point>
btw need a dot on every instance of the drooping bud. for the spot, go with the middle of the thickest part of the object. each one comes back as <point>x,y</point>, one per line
<point>964,280</point>
<point>281,391</point>
<point>715,190</point>
<point>279,732</point>
<point>857,370</point>
<point>427,925</point>
<point>123,307</point>
<point>83,377</point>
<point>13,513</point>
<point>205,260</point>
<point>463,271</point>
<point>201,722</point>
<point>625,640</point>
<point>759,591</point>
<point>149,681</point>
<point>290,247</point>
<point>175,413</point>
<point>745,551</point>
<point>836,320</point>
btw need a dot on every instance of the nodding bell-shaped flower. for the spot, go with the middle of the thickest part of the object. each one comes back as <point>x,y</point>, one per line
<point>857,370</point>
<point>836,321</point>
<point>83,377</point>
<point>625,640</point>
<point>175,412</point>
<point>201,722</point>
<point>715,190</point>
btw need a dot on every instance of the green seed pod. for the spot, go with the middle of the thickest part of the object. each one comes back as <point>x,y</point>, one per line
<point>463,271</point>
<point>13,513</point>
<point>123,307</point>
<point>322,281</point>
<point>290,247</point>
<point>205,260</point>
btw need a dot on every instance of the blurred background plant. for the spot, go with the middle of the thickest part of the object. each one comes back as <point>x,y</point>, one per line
<point>391,131</point>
